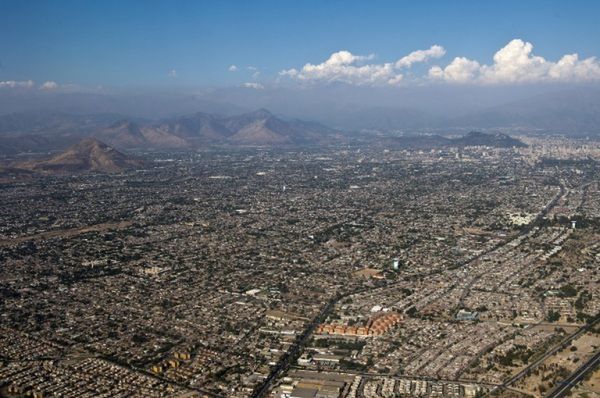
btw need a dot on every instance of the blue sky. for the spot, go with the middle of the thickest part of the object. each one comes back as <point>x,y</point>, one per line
<point>141,43</point>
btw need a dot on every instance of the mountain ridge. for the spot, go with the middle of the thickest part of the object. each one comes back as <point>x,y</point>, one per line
<point>260,128</point>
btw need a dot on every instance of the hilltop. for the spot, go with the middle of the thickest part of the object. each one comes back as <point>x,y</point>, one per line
<point>87,155</point>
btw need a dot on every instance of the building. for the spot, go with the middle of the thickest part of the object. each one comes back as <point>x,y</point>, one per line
<point>464,315</point>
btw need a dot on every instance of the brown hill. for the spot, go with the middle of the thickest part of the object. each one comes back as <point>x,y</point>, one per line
<point>127,134</point>
<point>123,134</point>
<point>87,155</point>
<point>254,128</point>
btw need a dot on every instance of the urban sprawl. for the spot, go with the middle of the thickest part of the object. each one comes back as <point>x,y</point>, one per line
<point>307,273</point>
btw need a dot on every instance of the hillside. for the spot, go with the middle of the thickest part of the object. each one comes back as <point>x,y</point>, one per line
<point>260,127</point>
<point>88,155</point>
<point>434,141</point>
<point>496,140</point>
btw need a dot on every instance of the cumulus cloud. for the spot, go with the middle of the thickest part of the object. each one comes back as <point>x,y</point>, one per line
<point>253,85</point>
<point>513,64</point>
<point>345,67</point>
<point>49,85</point>
<point>569,67</point>
<point>16,84</point>
<point>434,51</point>
<point>460,70</point>
<point>172,74</point>
<point>232,68</point>
<point>516,63</point>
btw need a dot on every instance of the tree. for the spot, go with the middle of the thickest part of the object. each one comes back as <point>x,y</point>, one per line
<point>553,316</point>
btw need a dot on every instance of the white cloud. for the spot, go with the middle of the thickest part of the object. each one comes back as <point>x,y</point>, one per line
<point>253,85</point>
<point>232,68</point>
<point>345,67</point>
<point>513,64</point>
<point>16,84</point>
<point>569,67</point>
<point>460,70</point>
<point>434,51</point>
<point>516,63</point>
<point>396,80</point>
<point>172,74</point>
<point>49,85</point>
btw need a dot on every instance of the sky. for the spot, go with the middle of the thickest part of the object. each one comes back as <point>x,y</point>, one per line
<point>91,45</point>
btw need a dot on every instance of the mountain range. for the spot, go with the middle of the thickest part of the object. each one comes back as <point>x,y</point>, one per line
<point>21,132</point>
<point>571,112</point>
<point>444,109</point>
<point>567,112</point>
<point>260,127</point>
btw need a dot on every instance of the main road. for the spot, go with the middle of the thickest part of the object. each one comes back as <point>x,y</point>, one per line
<point>563,388</point>
<point>291,355</point>
<point>560,346</point>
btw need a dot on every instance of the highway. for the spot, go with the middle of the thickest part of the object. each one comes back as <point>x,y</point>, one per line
<point>563,344</point>
<point>563,388</point>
